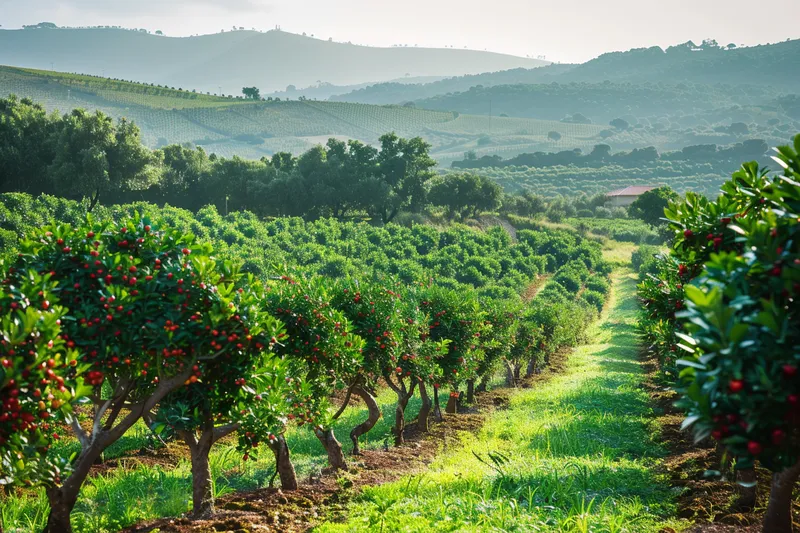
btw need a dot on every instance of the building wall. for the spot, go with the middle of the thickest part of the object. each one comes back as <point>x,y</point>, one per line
<point>620,201</point>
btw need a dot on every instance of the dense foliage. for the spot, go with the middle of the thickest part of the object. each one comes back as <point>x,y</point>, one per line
<point>727,295</point>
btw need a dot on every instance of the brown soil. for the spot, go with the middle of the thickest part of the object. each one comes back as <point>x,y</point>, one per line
<point>708,502</point>
<point>326,497</point>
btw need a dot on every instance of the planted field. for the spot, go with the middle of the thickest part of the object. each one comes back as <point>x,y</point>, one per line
<point>249,128</point>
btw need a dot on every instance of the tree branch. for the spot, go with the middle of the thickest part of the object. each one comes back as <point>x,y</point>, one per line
<point>223,431</point>
<point>346,400</point>
<point>83,438</point>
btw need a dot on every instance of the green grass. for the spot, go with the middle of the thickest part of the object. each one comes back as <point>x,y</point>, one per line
<point>578,453</point>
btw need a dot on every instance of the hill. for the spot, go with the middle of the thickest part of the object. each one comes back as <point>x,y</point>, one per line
<point>775,65</point>
<point>232,60</point>
<point>235,126</point>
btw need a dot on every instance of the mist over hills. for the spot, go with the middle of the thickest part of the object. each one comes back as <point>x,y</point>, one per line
<point>774,65</point>
<point>270,61</point>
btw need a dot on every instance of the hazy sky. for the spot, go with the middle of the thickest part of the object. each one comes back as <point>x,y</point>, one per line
<point>567,31</point>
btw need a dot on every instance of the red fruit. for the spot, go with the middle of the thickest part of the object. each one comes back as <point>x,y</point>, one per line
<point>793,399</point>
<point>710,236</point>
<point>688,234</point>
<point>776,271</point>
<point>109,318</point>
<point>398,370</point>
<point>67,250</point>
<point>147,229</point>
<point>778,436</point>
<point>716,434</point>
<point>132,269</point>
<point>45,304</point>
<point>90,235</point>
<point>60,242</point>
<point>754,447</point>
<point>736,385</point>
<point>789,371</point>
<point>186,251</point>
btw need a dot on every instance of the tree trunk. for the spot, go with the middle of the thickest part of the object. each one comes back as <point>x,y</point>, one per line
<point>93,200</point>
<point>283,463</point>
<point>202,490</point>
<point>60,509</point>
<point>374,415</point>
<point>470,391</point>
<point>510,380</point>
<point>437,409</point>
<point>400,418</point>
<point>452,405</point>
<point>425,409</point>
<point>333,447</point>
<point>746,495</point>
<point>62,499</point>
<point>531,367</point>
<point>778,518</point>
<point>483,385</point>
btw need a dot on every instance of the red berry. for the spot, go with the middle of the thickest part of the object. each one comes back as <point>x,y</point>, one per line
<point>778,436</point>
<point>754,447</point>
<point>90,235</point>
<point>736,385</point>
<point>147,229</point>
<point>688,234</point>
<point>789,371</point>
<point>186,251</point>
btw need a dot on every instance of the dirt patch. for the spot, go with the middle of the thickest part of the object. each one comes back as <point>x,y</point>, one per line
<point>709,502</point>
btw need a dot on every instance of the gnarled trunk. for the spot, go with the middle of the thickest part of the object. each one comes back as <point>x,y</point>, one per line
<point>400,418</point>
<point>483,385</point>
<point>470,391</point>
<point>372,419</point>
<point>283,463</point>
<point>199,450</point>
<point>333,447</point>
<point>510,379</point>
<point>437,409</point>
<point>778,518</point>
<point>425,409</point>
<point>61,506</point>
<point>531,370</point>
<point>452,405</point>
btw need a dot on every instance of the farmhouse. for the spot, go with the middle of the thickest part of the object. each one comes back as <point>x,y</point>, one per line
<point>625,197</point>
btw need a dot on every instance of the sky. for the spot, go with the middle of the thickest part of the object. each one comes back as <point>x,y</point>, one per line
<point>564,31</point>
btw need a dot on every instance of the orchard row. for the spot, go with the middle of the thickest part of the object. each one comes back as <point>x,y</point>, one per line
<point>140,320</point>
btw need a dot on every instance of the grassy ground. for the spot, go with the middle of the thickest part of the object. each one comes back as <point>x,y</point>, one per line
<point>579,453</point>
<point>138,487</point>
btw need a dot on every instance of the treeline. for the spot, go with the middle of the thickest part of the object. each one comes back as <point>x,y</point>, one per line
<point>600,102</point>
<point>87,155</point>
<point>638,157</point>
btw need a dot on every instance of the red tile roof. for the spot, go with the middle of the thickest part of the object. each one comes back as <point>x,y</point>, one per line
<point>635,190</point>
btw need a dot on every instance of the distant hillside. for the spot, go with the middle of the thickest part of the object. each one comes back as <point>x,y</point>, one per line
<point>400,93</point>
<point>270,61</point>
<point>234,126</point>
<point>689,104</point>
<point>775,65</point>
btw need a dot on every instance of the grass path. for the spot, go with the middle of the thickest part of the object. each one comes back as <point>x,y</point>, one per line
<point>577,453</point>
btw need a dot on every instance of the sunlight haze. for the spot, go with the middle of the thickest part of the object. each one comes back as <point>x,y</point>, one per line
<point>562,31</point>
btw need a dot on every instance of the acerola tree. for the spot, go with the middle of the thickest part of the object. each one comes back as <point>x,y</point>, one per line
<point>321,348</point>
<point>143,305</point>
<point>741,383</point>
<point>222,391</point>
<point>415,364</point>
<point>374,312</point>
<point>457,317</point>
<point>38,380</point>
<point>502,319</point>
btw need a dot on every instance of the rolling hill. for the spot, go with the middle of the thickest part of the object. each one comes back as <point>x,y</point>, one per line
<point>270,61</point>
<point>775,65</point>
<point>235,126</point>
